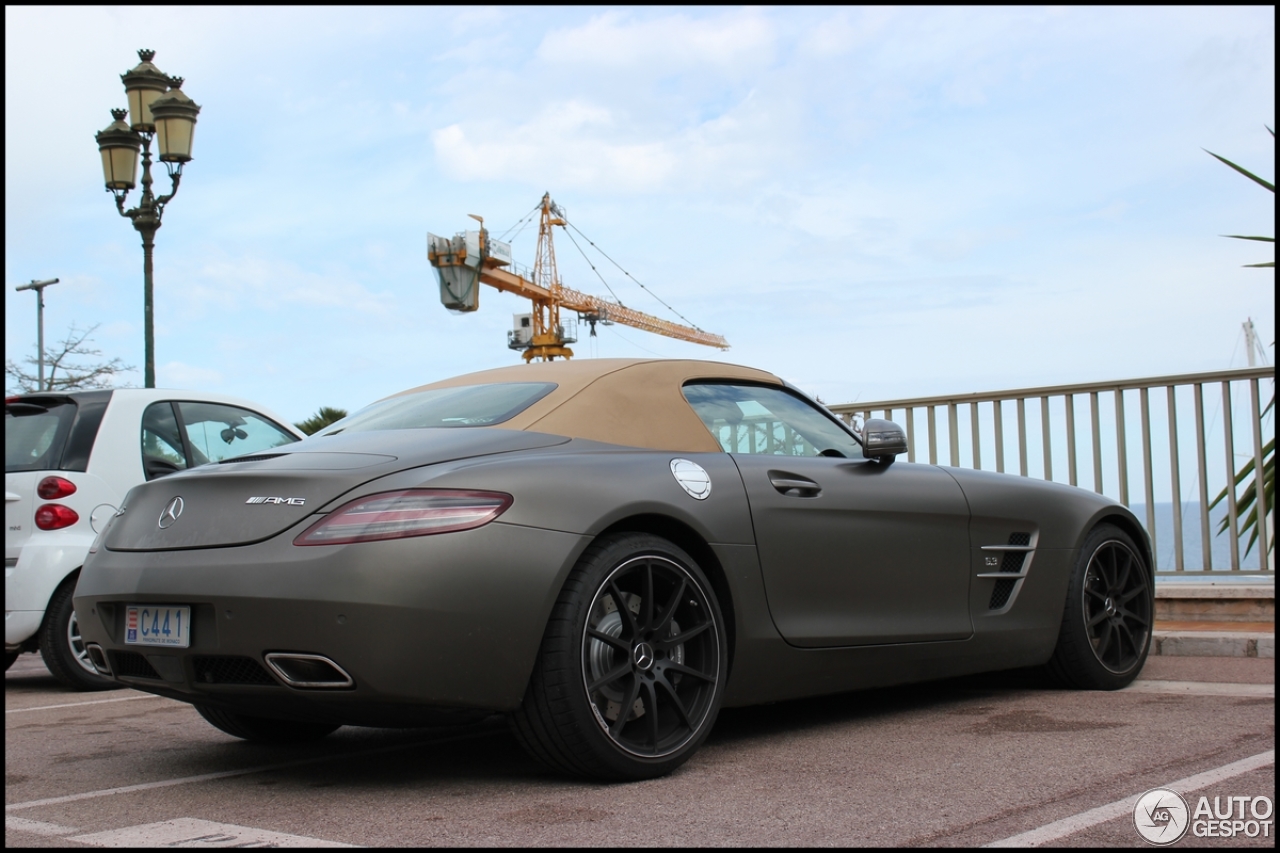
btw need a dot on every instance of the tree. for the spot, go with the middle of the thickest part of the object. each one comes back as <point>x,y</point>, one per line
<point>324,416</point>
<point>1248,498</point>
<point>58,359</point>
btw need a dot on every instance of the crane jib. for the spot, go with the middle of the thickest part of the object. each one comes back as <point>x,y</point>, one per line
<point>471,258</point>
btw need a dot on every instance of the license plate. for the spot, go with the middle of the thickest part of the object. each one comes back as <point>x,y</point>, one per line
<point>157,625</point>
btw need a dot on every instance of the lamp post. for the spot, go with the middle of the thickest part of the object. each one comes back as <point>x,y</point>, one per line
<point>38,287</point>
<point>160,111</point>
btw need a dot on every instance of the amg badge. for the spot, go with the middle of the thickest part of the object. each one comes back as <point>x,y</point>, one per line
<point>289,501</point>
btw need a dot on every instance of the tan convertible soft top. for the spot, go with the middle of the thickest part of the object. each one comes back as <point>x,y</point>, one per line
<point>633,402</point>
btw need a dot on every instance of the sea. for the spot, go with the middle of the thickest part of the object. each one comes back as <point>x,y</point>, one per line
<point>1219,543</point>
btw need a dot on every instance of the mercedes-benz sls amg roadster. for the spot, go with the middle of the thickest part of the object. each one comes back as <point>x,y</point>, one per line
<point>608,551</point>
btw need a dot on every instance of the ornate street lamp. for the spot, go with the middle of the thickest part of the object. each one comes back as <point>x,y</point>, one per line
<point>159,110</point>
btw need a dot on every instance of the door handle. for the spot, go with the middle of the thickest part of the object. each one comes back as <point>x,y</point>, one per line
<point>793,485</point>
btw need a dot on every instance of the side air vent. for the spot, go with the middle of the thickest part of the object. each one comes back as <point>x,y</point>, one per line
<point>1011,564</point>
<point>1000,595</point>
<point>231,670</point>
<point>132,665</point>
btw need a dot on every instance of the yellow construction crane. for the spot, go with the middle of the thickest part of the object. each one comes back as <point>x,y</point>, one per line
<point>470,258</point>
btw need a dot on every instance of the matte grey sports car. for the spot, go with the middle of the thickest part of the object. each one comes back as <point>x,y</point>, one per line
<point>607,550</point>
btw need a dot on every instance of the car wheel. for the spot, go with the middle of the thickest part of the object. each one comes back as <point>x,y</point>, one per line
<point>1106,623</point>
<point>63,649</point>
<point>632,666</point>
<point>10,658</point>
<point>264,729</point>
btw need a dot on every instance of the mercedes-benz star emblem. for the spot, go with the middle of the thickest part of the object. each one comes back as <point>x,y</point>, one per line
<point>644,656</point>
<point>172,510</point>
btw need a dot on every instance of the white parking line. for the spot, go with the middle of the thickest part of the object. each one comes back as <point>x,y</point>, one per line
<point>78,704</point>
<point>193,832</point>
<point>36,827</point>
<point>226,774</point>
<point>1120,808</point>
<point>1201,688</point>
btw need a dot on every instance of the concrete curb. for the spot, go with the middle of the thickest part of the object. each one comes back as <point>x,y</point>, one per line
<point>1238,644</point>
<point>1221,602</point>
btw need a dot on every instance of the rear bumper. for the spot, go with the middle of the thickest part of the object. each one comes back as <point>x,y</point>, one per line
<point>447,621</point>
<point>43,563</point>
<point>20,626</point>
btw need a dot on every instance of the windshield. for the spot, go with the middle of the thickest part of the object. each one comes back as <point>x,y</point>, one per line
<point>35,431</point>
<point>464,406</point>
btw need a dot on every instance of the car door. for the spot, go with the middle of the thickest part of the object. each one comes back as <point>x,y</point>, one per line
<point>853,552</point>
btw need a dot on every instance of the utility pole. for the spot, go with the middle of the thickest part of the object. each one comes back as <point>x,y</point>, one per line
<point>38,287</point>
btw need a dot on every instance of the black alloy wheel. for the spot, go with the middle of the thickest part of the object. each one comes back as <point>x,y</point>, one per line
<point>1106,629</point>
<point>632,667</point>
<point>1116,603</point>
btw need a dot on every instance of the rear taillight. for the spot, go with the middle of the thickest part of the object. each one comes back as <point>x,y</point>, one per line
<point>52,488</point>
<point>413,512</point>
<point>55,517</point>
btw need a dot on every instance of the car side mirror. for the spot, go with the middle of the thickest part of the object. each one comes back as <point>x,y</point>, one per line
<point>882,440</point>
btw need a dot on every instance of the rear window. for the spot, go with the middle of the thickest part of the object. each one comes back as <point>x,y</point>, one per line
<point>464,406</point>
<point>35,431</point>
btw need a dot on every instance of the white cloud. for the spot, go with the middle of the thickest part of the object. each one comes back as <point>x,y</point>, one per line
<point>731,41</point>
<point>959,243</point>
<point>262,283</point>
<point>583,145</point>
<point>840,33</point>
<point>175,374</point>
<point>561,146</point>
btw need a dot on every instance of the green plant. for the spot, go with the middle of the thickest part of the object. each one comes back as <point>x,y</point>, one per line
<point>324,416</point>
<point>1247,499</point>
<point>1260,182</point>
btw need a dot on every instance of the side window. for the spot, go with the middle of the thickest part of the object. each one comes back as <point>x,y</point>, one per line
<point>215,431</point>
<point>767,420</point>
<point>162,450</point>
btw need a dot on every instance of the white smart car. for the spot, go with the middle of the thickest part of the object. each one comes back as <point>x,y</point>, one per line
<point>69,460</point>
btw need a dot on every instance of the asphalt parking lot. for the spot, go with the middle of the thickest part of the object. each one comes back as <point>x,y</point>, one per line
<point>965,762</point>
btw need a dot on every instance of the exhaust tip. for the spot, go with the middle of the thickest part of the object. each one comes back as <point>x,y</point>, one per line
<point>310,671</point>
<point>98,658</point>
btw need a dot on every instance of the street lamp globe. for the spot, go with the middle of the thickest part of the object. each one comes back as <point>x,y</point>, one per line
<point>157,111</point>
<point>143,84</point>
<point>175,123</point>
<point>119,146</point>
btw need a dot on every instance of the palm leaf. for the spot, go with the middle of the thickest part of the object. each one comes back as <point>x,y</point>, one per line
<point>1250,175</point>
<point>1246,502</point>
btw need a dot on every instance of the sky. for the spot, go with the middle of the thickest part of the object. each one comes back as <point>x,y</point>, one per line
<point>871,203</point>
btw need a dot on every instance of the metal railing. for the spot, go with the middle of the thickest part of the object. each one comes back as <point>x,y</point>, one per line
<point>1163,449</point>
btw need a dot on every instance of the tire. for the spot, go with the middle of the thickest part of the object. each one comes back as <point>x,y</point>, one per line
<point>264,729</point>
<point>10,658</point>
<point>1107,620</point>
<point>662,656</point>
<point>62,647</point>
